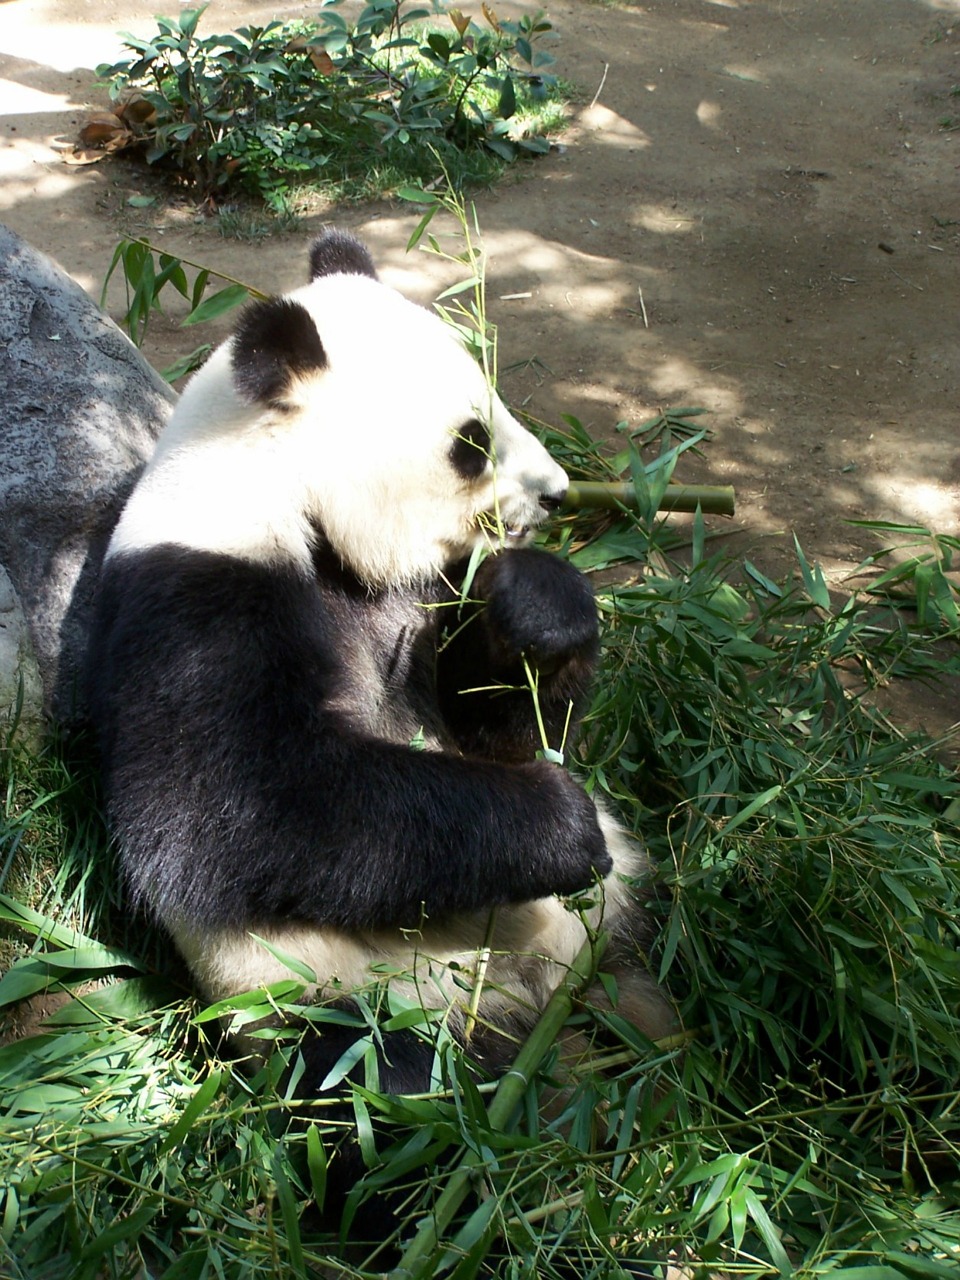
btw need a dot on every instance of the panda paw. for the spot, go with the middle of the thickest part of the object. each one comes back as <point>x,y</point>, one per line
<point>537,607</point>
<point>576,854</point>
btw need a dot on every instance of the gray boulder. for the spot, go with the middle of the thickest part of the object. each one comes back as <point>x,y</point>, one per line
<point>79,411</point>
<point>21,689</point>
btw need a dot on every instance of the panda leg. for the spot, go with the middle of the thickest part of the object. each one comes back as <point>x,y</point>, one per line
<point>640,1001</point>
<point>405,1063</point>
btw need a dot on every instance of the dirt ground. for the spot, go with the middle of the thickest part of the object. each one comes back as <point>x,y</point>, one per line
<point>756,209</point>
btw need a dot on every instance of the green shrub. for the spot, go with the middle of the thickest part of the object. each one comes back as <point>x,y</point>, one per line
<point>359,105</point>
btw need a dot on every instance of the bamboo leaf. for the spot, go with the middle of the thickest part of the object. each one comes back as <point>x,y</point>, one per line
<point>812,578</point>
<point>345,1063</point>
<point>120,1001</point>
<point>130,1227</point>
<point>11,1214</point>
<point>749,810</point>
<point>259,1003</point>
<point>288,961</point>
<point>42,926</point>
<point>317,1165</point>
<point>462,286</point>
<point>296,1262</point>
<point>364,1126</point>
<point>768,1233</point>
<point>201,1101</point>
<point>217,304</point>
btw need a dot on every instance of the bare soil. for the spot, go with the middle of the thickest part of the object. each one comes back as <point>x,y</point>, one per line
<point>756,210</point>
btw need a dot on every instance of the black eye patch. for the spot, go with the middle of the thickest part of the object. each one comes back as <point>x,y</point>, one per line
<point>470,450</point>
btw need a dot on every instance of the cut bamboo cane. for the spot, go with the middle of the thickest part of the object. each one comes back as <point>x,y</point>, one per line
<point>417,1262</point>
<point>712,499</point>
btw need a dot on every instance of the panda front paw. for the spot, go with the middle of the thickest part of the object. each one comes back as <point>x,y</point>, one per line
<point>528,612</point>
<point>576,853</point>
<point>537,607</point>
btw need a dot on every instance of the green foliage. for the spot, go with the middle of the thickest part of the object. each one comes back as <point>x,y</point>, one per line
<point>917,571</point>
<point>810,832</point>
<point>810,881</point>
<point>148,271</point>
<point>463,306</point>
<point>358,105</point>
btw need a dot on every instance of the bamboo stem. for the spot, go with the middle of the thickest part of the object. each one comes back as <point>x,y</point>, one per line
<point>712,499</point>
<point>418,1258</point>
<point>197,266</point>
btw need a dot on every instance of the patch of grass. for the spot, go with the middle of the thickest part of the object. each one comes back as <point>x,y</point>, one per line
<point>252,224</point>
<point>52,849</point>
<point>810,898</point>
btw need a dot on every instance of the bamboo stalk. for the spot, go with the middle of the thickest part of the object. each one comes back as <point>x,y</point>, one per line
<point>712,499</point>
<point>417,1260</point>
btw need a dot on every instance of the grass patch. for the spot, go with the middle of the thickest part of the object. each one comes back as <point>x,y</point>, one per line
<point>809,900</point>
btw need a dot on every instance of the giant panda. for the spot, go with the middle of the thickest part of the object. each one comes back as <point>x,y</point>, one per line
<point>316,726</point>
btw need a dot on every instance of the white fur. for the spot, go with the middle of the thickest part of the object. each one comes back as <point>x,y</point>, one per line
<point>376,423</point>
<point>532,946</point>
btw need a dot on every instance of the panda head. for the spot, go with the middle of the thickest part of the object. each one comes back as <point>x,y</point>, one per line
<point>343,410</point>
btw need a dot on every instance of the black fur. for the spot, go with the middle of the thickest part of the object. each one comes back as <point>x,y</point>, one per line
<point>337,252</point>
<point>524,604</point>
<point>242,795</point>
<point>275,341</point>
<point>470,450</point>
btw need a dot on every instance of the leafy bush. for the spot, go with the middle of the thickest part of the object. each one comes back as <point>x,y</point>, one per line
<point>297,103</point>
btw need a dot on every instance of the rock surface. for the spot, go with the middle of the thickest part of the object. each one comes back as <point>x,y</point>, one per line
<point>79,411</point>
<point>21,689</point>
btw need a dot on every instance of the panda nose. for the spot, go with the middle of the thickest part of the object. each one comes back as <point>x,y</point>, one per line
<point>553,501</point>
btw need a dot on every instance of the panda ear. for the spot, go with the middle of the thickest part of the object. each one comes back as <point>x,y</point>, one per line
<point>339,253</point>
<point>274,342</point>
